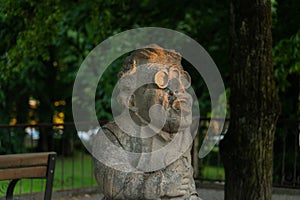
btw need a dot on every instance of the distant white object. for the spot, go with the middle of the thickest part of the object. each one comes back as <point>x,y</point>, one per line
<point>86,135</point>
<point>32,132</point>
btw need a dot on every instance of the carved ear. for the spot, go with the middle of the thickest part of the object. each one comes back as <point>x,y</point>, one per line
<point>161,79</point>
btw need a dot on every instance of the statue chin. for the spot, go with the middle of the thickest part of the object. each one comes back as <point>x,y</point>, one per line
<point>179,115</point>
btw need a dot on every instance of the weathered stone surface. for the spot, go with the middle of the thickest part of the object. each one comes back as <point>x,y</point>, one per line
<point>175,180</point>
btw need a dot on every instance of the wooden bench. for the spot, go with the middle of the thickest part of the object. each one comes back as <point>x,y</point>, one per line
<point>30,165</point>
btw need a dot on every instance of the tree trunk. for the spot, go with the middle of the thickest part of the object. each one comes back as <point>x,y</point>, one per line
<point>46,108</point>
<point>69,131</point>
<point>247,147</point>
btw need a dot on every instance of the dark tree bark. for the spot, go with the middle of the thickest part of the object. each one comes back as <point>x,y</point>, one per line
<point>247,147</point>
<point>46,108</point>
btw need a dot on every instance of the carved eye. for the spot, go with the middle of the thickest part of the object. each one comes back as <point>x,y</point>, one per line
<point>161,79</point>
<point>185,79</point>
<point>174,73</point>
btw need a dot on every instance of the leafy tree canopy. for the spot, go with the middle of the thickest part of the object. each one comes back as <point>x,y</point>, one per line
<point>43,44</point>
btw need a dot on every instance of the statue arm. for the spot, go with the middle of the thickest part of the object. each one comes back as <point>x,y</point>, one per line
<point>175,181</point>
<point>116,184</point>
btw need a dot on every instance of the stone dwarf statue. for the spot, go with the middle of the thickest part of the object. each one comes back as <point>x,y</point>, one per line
<point>147,176</point>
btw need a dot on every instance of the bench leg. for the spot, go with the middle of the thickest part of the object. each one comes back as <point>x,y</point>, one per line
<point>10,189</point>
<point>50,177</point>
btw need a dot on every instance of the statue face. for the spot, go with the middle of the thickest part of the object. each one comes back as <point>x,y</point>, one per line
<point>169,91</point>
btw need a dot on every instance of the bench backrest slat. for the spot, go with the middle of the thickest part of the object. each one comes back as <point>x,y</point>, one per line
<point>25,172</point>
<point>24,160</point>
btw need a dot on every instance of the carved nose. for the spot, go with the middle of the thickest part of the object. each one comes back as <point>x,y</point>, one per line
<point>176,86</point>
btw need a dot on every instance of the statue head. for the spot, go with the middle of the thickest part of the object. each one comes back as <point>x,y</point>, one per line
<point>166,84</point>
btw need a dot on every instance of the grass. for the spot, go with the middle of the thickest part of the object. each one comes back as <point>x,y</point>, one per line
<point>211,167</point>
<point>213,173</point>
<point>77,172</point>
<point>70,173</point>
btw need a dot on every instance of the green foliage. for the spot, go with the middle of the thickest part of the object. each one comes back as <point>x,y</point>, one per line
<point>287,60</point>
<point>44,43</point>
<point>286,44</point>
<point>12,141</point>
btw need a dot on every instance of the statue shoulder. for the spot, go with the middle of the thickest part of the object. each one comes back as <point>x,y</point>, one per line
<point>111,127</point>
<point>116,135</point>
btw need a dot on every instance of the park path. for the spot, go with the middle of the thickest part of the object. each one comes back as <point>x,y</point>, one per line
<point>205,194</point>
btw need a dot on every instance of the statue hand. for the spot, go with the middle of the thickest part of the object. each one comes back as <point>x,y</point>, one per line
<point>160,185</point>
<point>194,197</point>
<point>174,185</point>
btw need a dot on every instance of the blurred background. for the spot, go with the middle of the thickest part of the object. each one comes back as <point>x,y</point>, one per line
<point>43,43</point>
